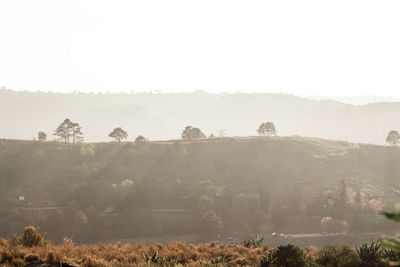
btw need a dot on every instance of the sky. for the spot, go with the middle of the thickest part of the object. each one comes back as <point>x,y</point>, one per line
<point>331,48</point>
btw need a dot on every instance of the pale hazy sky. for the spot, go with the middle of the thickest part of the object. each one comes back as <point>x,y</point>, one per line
<point>301,47</point>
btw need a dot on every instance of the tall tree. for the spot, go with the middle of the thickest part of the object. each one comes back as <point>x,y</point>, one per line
<point>261,129</point>
<point>42,136</point>
<point>76,132</point>
<point>64,130</point>
<point>267,129</point>
<point>67,130</point>
<point>190,133</point>
<point>393,138</point>
<point>118,134</point>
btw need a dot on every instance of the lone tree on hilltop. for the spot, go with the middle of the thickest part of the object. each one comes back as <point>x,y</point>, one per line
<point>190,133</point>
<point>68,129</point>
<point>76,132</point>
<point>267,129</point>
<point>42,136</point>
<point>393,138</point>
<point>118,134</point>
<point>140,139</point>
<point>63,130</point>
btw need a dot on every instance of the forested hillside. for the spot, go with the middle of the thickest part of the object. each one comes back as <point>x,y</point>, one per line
<point>212,188</point>
<point>163,116</point>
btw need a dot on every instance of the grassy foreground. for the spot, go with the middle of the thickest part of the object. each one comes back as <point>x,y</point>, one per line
<point>31,247</point>
<point>173,254</point>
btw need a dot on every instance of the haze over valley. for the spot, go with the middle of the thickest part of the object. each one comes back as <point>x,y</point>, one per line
<point>163,116</point>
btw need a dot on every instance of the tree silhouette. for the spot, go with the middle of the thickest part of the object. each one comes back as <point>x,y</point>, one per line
<point>393,138</point>
<point>118,134</point>
<point>140,139</point>
<point>267,129</point>
<point>42,136</point>
<point>190,133</point>
<point>68,129</point>
<point>64,131</point>
<point>76,132</point>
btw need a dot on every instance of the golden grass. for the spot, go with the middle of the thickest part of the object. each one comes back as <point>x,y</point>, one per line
<point>122,255</point>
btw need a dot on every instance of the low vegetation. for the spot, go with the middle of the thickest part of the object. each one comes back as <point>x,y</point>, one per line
<point>209,189</point>
<point>31,247</point>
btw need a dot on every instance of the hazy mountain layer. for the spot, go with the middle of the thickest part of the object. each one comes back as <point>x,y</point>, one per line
<point>163,116</point>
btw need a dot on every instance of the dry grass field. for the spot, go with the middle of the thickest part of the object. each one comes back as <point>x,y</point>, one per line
<point>30,249</point>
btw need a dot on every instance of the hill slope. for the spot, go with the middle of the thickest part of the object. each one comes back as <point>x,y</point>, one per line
<point>163,116</point>
<point>239,184</point>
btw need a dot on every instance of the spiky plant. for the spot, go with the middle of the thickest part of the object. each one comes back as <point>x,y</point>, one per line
<point>370,253</point>
<point>391,255</point>
<point>266,260</point>
<point>153,258</point>
<point>222,258</point>
<point>253,241</point>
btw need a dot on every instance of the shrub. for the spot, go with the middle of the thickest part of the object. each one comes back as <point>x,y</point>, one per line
<point>285,255</point>
<point>337,255</point>
<point>222,258</point>
<point>370,254</point>
<point>310,253</point>
<point>253,241</point>
<point>32,238</point>
<point>392,255</point>
<point>153,258</point>
<point>266,260</point>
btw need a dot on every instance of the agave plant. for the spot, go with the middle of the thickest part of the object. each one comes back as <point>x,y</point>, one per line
<point>222,258</point>
<point>253,241</point>
<point>370,254</point>
<point>153,258</point>
<point>391,255</point>
<point>266,260</point>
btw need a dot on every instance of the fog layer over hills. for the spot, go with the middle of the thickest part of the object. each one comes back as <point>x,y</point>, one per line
<point>163,116</point>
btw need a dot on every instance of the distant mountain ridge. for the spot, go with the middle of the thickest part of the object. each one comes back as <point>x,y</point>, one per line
<point>163,116</point>
<point>355,100</point>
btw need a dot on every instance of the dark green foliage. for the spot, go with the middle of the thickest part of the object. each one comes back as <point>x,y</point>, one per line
<point>392,255</point>
<point>266,260</point>
<point>370,254</point>
<point>337,255</point>
<point>287,255</point>
<point>253,241</point>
